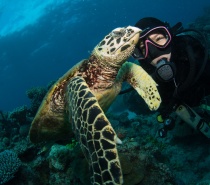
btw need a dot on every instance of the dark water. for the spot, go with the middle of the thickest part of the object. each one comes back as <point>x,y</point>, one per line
<point>40,40</point>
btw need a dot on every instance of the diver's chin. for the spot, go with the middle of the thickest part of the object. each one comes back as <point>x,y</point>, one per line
<point>156,60</point>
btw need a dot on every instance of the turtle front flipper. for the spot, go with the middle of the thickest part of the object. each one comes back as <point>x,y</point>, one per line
<point>94,132</point>
<point>142,82</point>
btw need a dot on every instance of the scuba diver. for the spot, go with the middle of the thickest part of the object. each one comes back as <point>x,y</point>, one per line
<point>177,60</point>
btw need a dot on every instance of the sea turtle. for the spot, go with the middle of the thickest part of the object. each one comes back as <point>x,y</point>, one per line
<point>79,99</point>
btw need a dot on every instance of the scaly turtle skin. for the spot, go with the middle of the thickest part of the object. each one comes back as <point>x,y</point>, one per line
<point>79,99</point>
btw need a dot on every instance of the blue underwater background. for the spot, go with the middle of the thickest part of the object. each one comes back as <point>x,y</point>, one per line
<point>41,40</point>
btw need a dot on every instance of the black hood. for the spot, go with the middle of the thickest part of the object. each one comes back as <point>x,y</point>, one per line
<point>149,23</point>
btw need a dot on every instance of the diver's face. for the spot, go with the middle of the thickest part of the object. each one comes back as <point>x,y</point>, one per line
<point>153,43</point>
<point>156,60</point>
<point>161,40</point>
<point>156,39</point>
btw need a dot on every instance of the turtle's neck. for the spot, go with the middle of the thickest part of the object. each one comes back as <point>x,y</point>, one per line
<point>97,73</point>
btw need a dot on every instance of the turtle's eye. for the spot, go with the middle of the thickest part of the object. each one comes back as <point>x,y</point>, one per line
<point>119,32</point>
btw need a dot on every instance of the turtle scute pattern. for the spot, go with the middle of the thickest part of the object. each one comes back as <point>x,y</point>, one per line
<point>95,134</point>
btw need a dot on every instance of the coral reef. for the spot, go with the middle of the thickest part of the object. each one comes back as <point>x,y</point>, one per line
<point>36,95</point>
<point>19,114</point>
<point>10,164</point>
<point>59,157</point>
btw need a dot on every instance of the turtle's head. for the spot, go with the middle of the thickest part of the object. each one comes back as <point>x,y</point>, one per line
<point>118,45</point>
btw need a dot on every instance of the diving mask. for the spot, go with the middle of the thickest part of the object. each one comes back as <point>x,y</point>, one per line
<point>152,43</point>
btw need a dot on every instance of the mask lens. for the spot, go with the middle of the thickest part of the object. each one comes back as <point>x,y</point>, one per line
<point>159,36</point>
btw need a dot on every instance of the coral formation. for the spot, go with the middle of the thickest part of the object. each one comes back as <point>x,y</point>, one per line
<point>10,164</point>
<point>19,114</point>
<point>36,95</point>
<point>59,157</point>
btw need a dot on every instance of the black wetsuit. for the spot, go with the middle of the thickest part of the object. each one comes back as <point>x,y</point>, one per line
<point>192,77</point>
